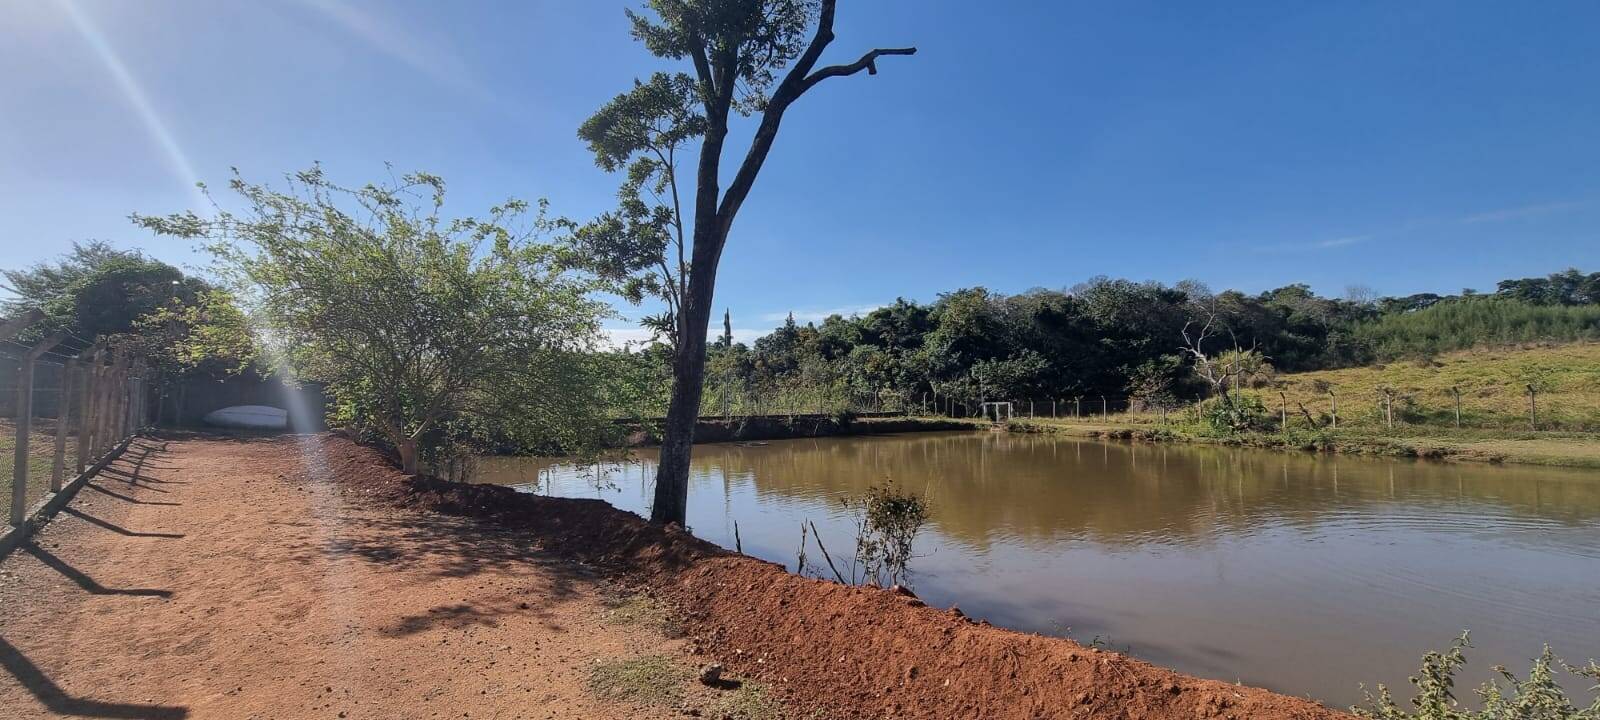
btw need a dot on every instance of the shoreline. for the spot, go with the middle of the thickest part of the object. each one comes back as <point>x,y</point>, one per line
<point>1571,450</point>
<point>788,427</point>
<point>853,652</point>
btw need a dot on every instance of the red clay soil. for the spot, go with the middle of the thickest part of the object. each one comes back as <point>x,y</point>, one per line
<point>236,580</point>
<point>848,652</point>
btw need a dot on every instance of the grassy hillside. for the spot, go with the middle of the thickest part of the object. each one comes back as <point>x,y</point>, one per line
<point>1494,409</point>
<point>1492,384</point>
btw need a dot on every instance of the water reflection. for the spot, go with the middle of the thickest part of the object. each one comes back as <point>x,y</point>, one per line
<point>1302,573</point>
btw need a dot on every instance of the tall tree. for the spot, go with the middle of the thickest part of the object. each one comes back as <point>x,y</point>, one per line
<point>737,49</point>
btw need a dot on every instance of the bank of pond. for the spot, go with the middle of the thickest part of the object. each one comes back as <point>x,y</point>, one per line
<point>1302,573</point>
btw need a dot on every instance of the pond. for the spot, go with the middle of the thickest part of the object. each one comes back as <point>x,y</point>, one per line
<point>1305,574</point>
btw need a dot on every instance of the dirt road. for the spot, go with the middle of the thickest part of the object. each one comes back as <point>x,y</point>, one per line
<point>231,579</point>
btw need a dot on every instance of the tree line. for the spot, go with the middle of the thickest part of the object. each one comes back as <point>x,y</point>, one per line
<point>1114,338</point>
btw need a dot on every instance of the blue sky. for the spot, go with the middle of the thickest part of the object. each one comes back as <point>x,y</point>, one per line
<point>1417,146</point>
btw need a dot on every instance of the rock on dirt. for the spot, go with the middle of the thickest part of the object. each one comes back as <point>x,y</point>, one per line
<point>711,674</point>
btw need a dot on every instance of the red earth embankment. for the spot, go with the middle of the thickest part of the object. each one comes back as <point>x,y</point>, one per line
<point>848,651</point>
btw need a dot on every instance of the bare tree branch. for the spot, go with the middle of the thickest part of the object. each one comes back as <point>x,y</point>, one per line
<point>868,62</point>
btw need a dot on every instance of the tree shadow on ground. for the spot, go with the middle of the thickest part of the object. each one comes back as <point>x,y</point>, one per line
<point>461,616</point>
<point>84,581</point>
<point>58,701</point>
<point>443,546</point>
<point>529,580</point>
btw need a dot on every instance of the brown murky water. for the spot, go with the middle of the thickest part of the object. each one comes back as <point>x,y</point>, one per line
<point>1305,574</point>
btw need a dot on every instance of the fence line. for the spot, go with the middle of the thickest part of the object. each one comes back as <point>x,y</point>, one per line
<point>96,400</point>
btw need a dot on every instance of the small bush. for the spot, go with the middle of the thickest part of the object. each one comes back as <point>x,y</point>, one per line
<point>1234,414</point>
<point>887,523</point>
<point>1537,697</point>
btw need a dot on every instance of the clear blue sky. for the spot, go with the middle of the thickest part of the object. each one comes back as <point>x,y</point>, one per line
<point>1416,146</point>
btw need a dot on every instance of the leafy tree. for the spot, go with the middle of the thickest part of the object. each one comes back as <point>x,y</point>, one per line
<point>413,320</point>
<point>1156,383</point>
<point>640,245</point>
<point>96,289</point>
<point>751,57</point>
<point>1569,287</point>
<point>210,337</point>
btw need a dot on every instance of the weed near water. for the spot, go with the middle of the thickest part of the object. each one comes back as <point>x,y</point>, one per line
<point>1536,697</point>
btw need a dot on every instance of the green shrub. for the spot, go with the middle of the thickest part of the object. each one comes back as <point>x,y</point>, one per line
<point>1537,697</point>
<point>1234,414</point>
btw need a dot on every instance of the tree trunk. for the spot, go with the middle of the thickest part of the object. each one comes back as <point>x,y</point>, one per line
<point>408,455</point>
<point>688,379</point>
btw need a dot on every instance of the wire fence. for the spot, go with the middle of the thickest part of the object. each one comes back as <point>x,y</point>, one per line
<point>65,403</point>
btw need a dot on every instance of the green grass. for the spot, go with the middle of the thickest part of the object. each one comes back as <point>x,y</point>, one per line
<point>1494,410</point>
<point>643,611</point>
<point>650,680</point>
<point>750,701</point>
<point>660,681</point>
<point>1491,382</point>
<point>41,461</point>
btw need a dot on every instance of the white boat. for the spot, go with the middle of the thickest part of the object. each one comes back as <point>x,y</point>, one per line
<point>253,417</point>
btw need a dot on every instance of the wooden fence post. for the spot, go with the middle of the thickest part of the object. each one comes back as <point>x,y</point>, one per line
<point>105,418</point>
<point>58,468</point>
<point>86,394</point>
<point>1335,400</point>
<point>102,416</point>
<point>1457,392</point>
<point>19,465</point>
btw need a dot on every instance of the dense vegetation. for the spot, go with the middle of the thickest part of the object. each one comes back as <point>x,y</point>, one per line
<point>434,334</point>
<point>1116,338</point>
<point>177,326</point>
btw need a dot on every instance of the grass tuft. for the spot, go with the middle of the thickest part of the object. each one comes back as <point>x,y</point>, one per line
<point>653,680</point>
<point>751,701</point>
<point>642,611</point>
